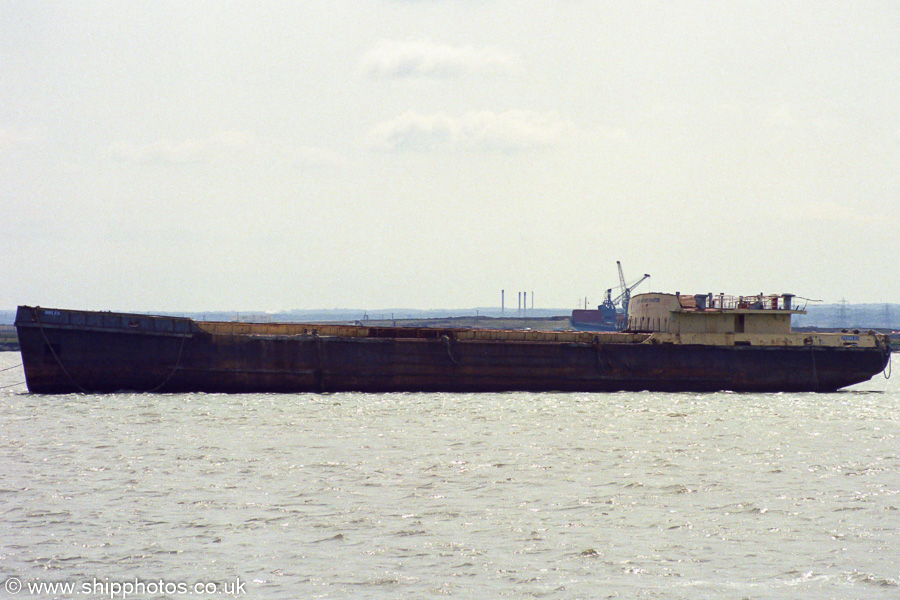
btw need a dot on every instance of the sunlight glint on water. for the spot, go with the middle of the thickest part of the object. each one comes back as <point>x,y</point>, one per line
<point>630,495</point>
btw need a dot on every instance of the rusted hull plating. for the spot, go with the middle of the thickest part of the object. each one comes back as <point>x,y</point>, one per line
<point>73,351</point>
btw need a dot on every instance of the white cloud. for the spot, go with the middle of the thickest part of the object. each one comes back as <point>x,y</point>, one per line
<point>10,138</point>
<point>161,151</point>
<point>790,118</point>
<point>237,141</point>
<point>393,59</point>
<point>224,145</point>
<point>782,116</point>
<point>827,211</point>
<point>508,131</point>
<point>317,156</point>
<point>616,134</point>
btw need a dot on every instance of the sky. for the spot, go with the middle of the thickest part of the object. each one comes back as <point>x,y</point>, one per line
<point>243,155</point>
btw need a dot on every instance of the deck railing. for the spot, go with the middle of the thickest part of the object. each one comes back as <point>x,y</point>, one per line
<point>725,302</point>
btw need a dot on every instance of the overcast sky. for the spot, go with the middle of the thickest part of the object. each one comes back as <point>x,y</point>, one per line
<point>209,155</point>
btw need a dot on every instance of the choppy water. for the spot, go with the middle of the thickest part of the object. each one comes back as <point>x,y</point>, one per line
<point>629,495</point>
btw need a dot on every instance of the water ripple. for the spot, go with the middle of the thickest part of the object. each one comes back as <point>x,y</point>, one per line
<point>471,496</point>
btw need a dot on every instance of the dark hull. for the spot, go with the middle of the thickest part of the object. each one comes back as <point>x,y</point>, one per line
<point>70,351</point>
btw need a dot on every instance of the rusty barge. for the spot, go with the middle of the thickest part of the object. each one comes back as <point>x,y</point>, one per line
<point>671,343</point>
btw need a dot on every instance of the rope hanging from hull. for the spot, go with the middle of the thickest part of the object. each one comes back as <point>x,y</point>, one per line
<point>82,389</point>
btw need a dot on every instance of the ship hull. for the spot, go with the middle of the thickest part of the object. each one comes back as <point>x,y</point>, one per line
<point>75,351</point>
<point>596,320</point>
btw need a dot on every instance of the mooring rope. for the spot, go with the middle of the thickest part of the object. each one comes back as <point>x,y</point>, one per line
<point>175,368</point>
<point>886,349</point>
<point>448,344</point>
<point>815,376</point>
<point>53,352</point>
<point>84,391</point>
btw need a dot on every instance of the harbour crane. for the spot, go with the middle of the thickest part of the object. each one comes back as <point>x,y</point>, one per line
<point>625,290</point>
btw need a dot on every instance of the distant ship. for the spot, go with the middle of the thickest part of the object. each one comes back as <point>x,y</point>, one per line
<point>612,314</point>
<point>670,342</point>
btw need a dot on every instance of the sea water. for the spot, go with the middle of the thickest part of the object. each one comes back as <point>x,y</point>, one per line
<point>516,495</point>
